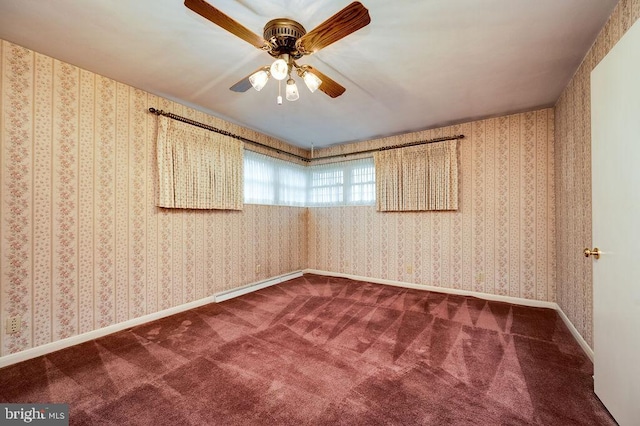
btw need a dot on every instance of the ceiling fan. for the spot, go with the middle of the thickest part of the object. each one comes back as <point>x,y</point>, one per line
<point>287,41</point>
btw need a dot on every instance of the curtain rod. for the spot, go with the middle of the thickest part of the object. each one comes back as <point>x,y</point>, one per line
<point>385,148</point>
<point>366,151</point>
<point>223,132</point>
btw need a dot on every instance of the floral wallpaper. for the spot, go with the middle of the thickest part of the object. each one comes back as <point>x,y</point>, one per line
<point>82,245</point>
<point>573,176</point>
<point>500,241</point>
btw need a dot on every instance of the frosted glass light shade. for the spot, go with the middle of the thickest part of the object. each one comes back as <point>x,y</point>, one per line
<point>312,81</point>
<point>279,69</point>
<point>292,90</point>
<point>259,79</point>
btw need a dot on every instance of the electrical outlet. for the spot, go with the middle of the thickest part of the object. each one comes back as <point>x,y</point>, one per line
<point>408,268</point>
<point>258,267</point>
<point>13,325</point>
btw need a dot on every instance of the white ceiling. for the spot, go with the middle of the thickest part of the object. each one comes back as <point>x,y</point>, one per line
<point>419,64</point>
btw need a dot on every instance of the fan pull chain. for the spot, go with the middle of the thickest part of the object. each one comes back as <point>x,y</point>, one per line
<point>279,98</point>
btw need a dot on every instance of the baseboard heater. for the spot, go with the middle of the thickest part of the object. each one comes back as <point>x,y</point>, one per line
<point>239,291</point>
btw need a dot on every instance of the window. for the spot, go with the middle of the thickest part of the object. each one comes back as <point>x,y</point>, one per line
<point>327,186</point>
<point>363,184</point>
<point>292,185</point>
<point>268,180</point>
<point>259,179</point>
<point>344,183</point>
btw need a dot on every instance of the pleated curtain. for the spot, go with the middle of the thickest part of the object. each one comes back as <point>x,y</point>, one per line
<point>417,178</point>
<point>198,168</point>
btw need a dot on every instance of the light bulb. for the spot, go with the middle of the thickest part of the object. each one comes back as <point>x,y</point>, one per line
<point>259,79</point>
<point>279,69</point>
<point>292,90</point>
<point>312,81</point>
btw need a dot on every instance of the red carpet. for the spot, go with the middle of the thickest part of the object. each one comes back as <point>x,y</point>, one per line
<point>320,350</point>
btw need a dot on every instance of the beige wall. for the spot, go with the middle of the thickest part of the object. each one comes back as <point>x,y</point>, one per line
<point>82,245</point>
<point>573,176</point>
<point>501,241</point>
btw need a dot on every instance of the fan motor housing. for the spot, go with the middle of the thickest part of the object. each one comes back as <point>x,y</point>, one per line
<point>282,34</point>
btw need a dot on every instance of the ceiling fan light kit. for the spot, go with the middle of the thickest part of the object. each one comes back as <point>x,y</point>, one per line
<point>311,80</point>
<point>280,68</point>
<point>287,41</point>
<point>259,79</point>
<point>292,90</point>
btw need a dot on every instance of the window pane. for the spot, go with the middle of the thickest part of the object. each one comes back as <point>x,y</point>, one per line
<point>292,187</point>
<point>344,183</point>
<point>363,189</point>
<point>269,180</point>
<point>258,181</point>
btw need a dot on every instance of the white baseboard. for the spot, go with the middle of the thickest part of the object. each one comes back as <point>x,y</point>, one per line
<point>486,296</point>
<point>574,331</point>
<point>95,334</point>
<point>508,299</point>
<point>235,292</point>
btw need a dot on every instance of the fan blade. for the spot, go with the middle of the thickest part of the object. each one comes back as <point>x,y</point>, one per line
<point>328,86</point>
<point>214,15</point>
<point>241,86</point>
<point>340,25</point>
<point>244,84</point>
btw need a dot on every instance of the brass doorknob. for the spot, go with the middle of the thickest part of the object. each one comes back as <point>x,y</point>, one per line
<point>595,252</point>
